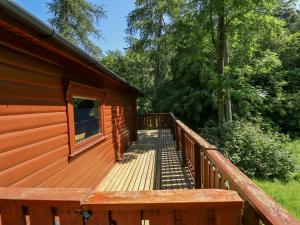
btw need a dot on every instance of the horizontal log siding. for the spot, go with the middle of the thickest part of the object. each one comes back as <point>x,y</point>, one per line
<point>34,131</point>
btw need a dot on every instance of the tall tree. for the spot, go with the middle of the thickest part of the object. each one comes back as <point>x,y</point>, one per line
<point>226,14</point>
<point>148,26</point>
<point>134,67</point>
<point>77,21</point>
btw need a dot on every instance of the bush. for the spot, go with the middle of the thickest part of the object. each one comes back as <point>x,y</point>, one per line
<point>258,153</point>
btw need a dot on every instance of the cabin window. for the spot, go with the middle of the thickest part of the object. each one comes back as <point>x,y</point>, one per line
<point>85,117</point>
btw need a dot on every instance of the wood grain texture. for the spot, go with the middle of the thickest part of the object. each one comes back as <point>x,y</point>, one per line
<point>168,207</point>
<point>152,162</point>
<point>164,199</point>
<point>34,142</point>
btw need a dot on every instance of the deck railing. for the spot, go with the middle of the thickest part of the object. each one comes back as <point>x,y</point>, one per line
<point>37,206</point>
<point>153,120</point>
<point>211,170</point>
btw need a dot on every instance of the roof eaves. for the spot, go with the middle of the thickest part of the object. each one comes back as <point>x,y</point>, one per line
<point>45,31</point>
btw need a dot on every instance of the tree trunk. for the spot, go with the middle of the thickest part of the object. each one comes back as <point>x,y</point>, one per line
<point>221,61</point>
<point>157,75</point>
<point>156,84</point>
<point>228,107</point>
<point>227,95</point>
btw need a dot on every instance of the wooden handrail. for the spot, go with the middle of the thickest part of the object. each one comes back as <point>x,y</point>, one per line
<point>210,170</point>
<point>268,210</point>
<point>163,199</point>
<point>46,206</point>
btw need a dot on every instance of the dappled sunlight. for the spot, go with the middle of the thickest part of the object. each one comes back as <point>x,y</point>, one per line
<point>152,162</point>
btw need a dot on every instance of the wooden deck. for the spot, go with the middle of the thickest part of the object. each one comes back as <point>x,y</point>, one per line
<point>151,163</point>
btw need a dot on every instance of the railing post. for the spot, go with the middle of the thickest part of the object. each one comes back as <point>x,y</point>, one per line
<point>250,216</point>
<point>197,166</point>
<point>183,147</point>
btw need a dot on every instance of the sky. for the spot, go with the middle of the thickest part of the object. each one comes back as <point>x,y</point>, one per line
<point>112,27</point>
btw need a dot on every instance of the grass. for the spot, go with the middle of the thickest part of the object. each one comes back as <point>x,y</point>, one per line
<point>286,193</point>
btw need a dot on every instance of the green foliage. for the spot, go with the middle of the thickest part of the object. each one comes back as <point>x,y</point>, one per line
<point>134,67</point>
<point>148,27</point>
<point>76,20</point>
<point>258,153</point>
<point>294,147</point>
<point>261,75</point>
<point>285,193</point>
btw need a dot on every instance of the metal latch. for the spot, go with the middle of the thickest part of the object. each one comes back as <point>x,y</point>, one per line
<point>85,215</point>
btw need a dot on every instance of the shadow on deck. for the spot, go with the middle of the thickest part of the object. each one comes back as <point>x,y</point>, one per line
<point>151,163</point>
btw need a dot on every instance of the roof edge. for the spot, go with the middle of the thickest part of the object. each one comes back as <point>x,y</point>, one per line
<point>45,31</point>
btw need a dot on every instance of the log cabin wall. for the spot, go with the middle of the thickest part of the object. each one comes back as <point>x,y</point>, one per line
<point>34,142</point>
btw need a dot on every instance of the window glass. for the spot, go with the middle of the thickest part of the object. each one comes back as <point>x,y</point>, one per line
<point>86,117</point>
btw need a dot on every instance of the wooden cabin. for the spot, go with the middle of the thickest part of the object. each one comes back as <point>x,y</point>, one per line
<point>74,151</point>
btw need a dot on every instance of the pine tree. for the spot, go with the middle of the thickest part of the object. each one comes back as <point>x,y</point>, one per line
<point>76,20</point>
<point>148,24</point>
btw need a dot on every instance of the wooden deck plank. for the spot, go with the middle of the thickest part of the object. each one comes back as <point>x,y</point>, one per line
<point>152,162</point>
<point>145,169</point>
<point>139,181</point>
<point>130,176</point>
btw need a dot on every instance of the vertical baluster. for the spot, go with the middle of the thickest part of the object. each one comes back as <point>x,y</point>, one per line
<point>99,218</point>
<point>192,155</point>
<point>126,217</point>
<point>40,213</point>
<point>231,186</point>
<point>177,137</point>
<point>69,216</point>
<point>223,181</point>
<point>217,179</point>
<point>250,216</point>
<point>206,175</point>
<point>142,122</point>
<point>161,121</point>
<point>11,213</point>
<point>183,147</point>
<point>202,167</point>
<point>166,217</point>
<point>228,216</point>
<point>188,158</point>
<point>211,175</point>
<point>174,129</point>
<point>159,217</point>
<point>197,166</point>
<point>214,176</point>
